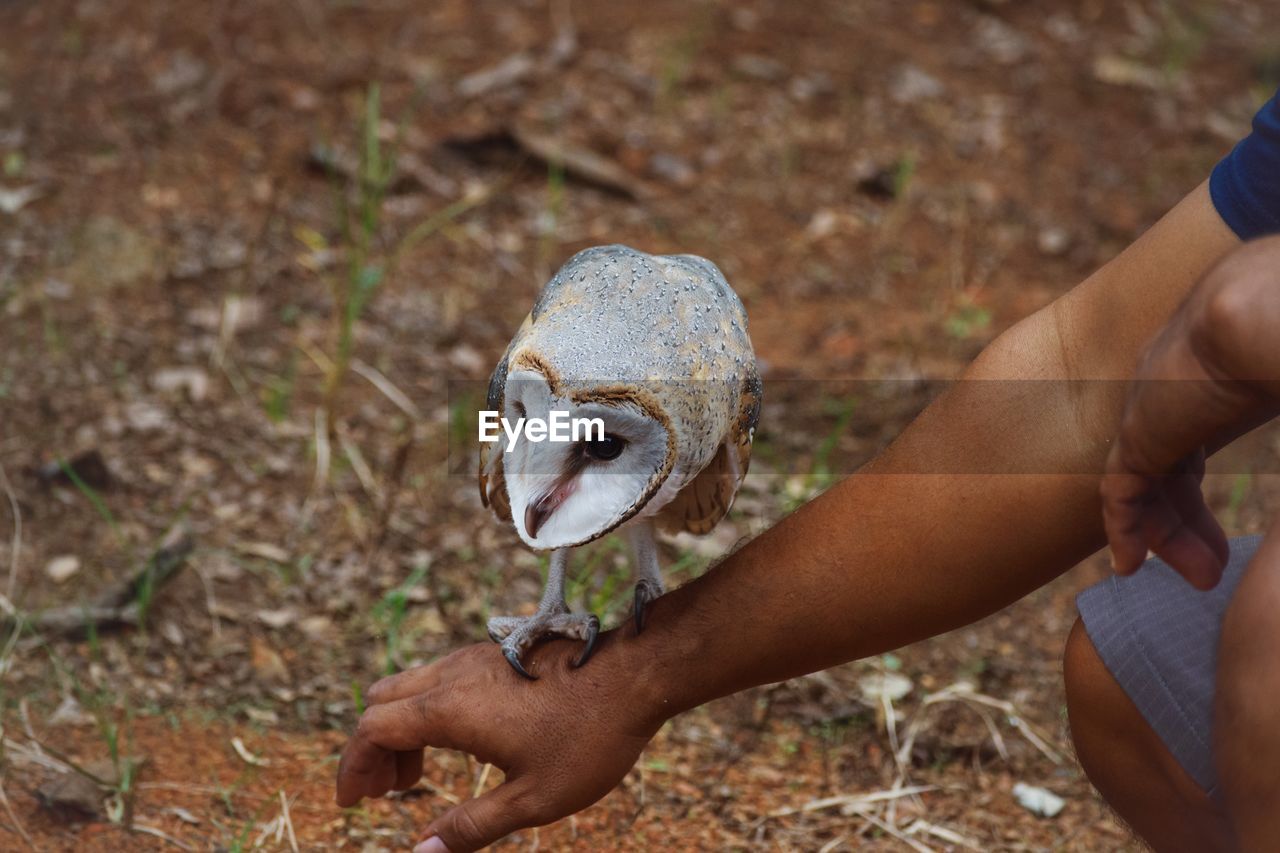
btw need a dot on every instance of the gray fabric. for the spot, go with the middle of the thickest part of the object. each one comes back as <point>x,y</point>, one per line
<point>1158,636</point>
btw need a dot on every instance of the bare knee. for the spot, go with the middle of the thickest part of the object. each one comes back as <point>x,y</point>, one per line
<point>1128,763</point>
<point>1246,717</point>
<point>1094,710</point>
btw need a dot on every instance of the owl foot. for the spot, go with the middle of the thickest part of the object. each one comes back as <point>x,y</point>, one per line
<point>647,591</point>
<point>516,634</point>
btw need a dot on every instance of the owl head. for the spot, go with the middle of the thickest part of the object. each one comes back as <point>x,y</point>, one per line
<point>681,393</point>
<point>565,493</point>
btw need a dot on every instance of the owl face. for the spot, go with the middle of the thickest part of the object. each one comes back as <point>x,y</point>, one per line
<point>568,493</point>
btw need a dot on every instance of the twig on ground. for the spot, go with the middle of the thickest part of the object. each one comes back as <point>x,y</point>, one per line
<point>274,826</point>
<point>214,790</point>
<point>446,795</point>
<point>358,464</point>
<point>119,605</point>
<point>391,492</point>
<point>964,693</point>
<point>161,834</point>
<point>388,388</point>
<point>32,754</point>
<point>893,830</point>
<point>210,602</point>
<point>484,777</point>
<point>65,764</point>
<point>13,817</point>
<point>948,835</point>
<point>24,713</point>
<point>288,822</point>
<point>832,844</point>
<point>322,451</point>
<point>231,304</point>
<point>249,757</point>
<point>163,566</point>
<point>851,801</point>
<point>520,66</point>
<point>15,547</point>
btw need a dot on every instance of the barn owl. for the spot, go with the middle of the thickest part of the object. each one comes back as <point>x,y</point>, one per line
<point>654,348</point>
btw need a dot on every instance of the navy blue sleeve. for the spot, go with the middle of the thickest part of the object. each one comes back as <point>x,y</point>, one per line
<point>1245,185</point>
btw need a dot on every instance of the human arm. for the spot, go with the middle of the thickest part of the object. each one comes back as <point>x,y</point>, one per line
<point>1210,375</point>
<point>989,494</point>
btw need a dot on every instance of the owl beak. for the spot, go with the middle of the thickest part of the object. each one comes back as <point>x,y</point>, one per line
<point>538,511</point>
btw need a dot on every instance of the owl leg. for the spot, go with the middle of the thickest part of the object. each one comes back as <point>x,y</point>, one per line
<point>644,551</point>
<point>517,633</point>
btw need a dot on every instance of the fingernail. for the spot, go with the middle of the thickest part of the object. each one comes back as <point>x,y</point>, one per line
<point>1111,555</point>
<point>431,845</point>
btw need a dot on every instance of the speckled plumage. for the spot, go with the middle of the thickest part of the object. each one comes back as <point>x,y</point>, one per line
<point>656,348</point>
<point>666,332</point>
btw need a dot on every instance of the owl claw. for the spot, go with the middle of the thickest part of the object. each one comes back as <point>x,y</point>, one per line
<point>518,634</point>
<point>513,658</point>
<point>646,593</point>
<point>593,631</point>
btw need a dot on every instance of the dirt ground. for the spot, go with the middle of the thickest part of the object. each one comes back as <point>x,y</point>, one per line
<point>194,196</point>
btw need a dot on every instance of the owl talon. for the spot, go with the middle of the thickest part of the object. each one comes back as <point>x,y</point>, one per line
<point>646,593</point>
<point>593,631</point>
<point>518,634</point>
<point>513,657</point>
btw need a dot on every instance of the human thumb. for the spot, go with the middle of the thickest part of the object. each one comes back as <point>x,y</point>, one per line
<point>479,822</point>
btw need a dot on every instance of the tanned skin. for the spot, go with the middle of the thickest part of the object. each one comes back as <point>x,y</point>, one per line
<point>1211,374</point>
<point>933,534</point>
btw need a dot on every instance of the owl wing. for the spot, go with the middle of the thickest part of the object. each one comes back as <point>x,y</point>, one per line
<point>493,483</point>
<point>701,504</point>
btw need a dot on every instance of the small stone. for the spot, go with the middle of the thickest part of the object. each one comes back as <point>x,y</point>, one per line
<point>60,569</point>
<point>262,716</point>
<point>823,223</point>
<point>317,627</point>
<point>11,201</point>
<point>1053,240</point>
<point>193,380</point>
<point>672,169</point>
<point>877,687</point>
<point>1000,42</point>
<point>468,359</point>
<point>910,84</point>
<point>1122,71</point>
<point>1038,801</point>
<point>173,633</point>
<point>146,417</point>
<point>264,550</point>
<point>277,619</point>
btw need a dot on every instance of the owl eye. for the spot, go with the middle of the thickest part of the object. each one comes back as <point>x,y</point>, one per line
<point>519,408</point>
<point>607,448</point>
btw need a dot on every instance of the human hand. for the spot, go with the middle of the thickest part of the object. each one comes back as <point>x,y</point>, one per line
<point>563,741</point>
<point>1211,374</point>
